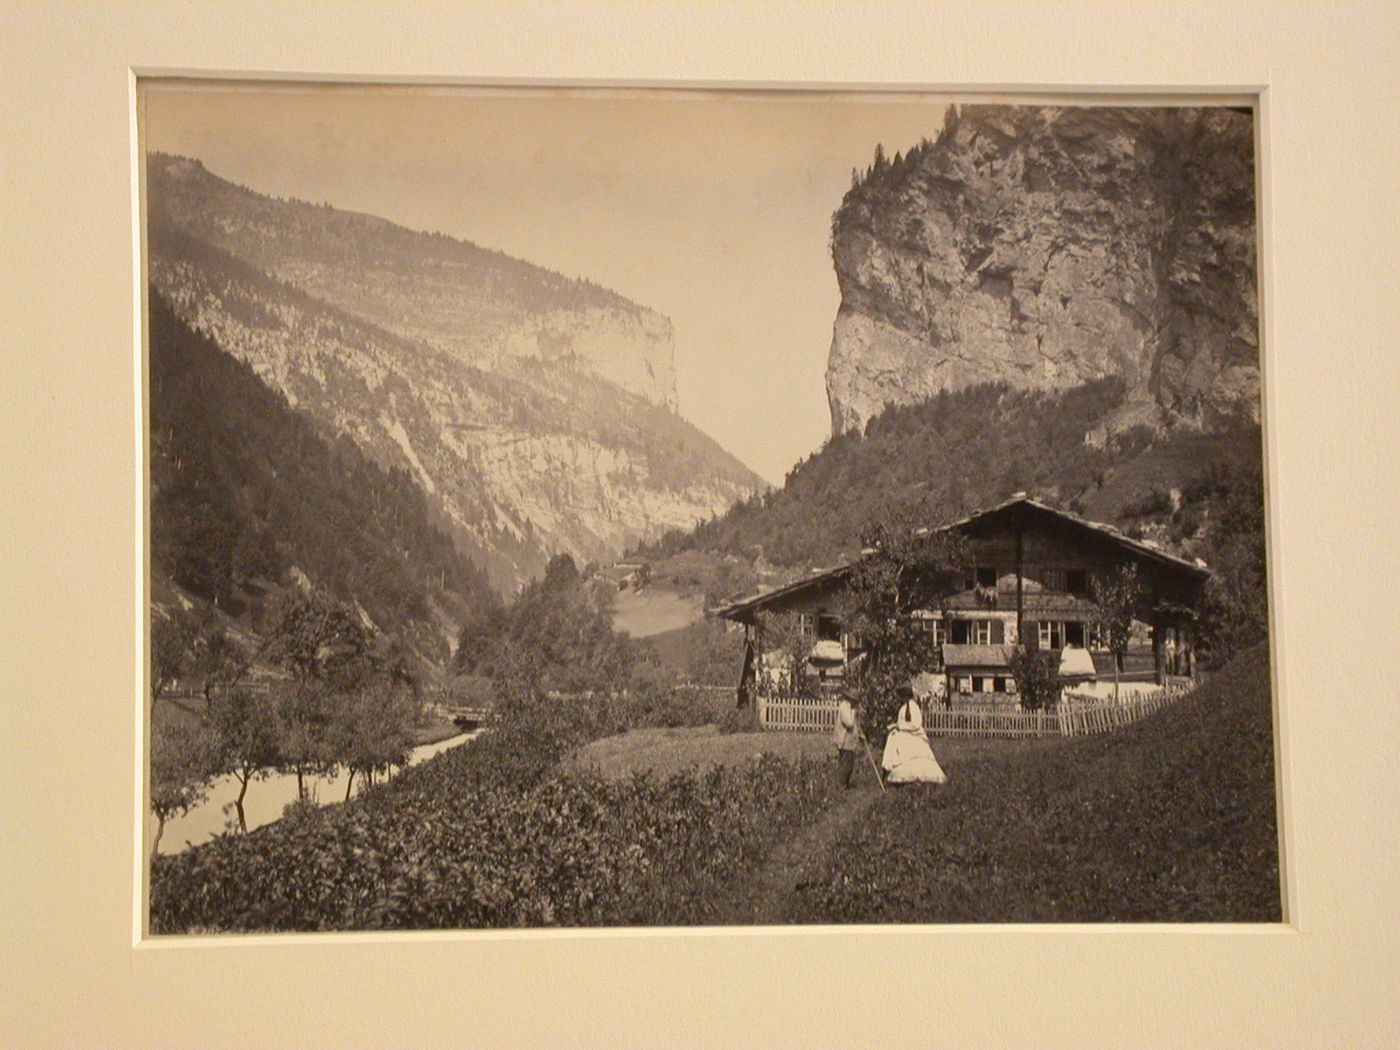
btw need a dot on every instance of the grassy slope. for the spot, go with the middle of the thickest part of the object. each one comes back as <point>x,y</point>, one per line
<point>655,610</point>
<point>1173,819</point>
<point>667,751</point>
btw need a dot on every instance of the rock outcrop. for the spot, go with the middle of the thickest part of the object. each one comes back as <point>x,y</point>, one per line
<point>1047,246</point>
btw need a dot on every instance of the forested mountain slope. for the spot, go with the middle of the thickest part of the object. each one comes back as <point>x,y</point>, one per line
<point>971,448</point>
<point>245,488</point>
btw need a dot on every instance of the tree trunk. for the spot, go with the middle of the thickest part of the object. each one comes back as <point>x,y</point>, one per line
<point>1116,661</point>
<point>349,783</point>
<point>301,788</point>
<point>238,804</point>
<point>160,830</point>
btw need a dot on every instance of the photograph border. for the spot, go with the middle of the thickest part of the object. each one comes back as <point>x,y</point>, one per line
<point>1252,96</point>
<point>74,976</point>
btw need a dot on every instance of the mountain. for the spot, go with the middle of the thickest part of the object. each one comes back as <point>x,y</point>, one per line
<point>244,489</point>
<point>1045,247</point>
<point>537,413</point>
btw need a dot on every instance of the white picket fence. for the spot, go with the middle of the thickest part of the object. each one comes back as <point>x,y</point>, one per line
<point>796,713</point>
<point>1075,715</point>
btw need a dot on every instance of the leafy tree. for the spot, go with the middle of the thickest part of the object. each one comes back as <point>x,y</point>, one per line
<point>1235,611</point>
<point>216,659</point>
<point>183,763</point>
<point>1117,597</point>
<point>906,568</point>
<point>172,638</point>
<point>371,733</point>
<point>315,636</point>
<point>559,626</point>
<point>305,714</point>
<point>716,655</point>
<point>244,731</point>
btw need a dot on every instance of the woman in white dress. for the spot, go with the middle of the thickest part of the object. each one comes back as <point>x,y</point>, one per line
<point>908,757</point>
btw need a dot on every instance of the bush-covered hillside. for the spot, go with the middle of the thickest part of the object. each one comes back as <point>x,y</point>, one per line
<point>243,487</point>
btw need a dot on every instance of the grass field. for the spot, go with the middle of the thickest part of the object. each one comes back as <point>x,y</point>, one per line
<point>667,751</point>
<point>1172,819</point>
<point>654,610</point>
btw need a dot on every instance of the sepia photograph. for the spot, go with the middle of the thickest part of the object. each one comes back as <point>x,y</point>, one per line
<point>658,507</point>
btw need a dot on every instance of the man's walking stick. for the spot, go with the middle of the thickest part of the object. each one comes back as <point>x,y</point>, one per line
<point>871,755</point>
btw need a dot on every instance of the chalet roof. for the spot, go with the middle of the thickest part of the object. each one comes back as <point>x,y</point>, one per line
<point>1021,503</point>
<point>989,656</point>
<point>1017,504</point>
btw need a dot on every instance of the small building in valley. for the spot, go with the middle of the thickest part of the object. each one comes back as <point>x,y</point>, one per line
<point>1030,580</point>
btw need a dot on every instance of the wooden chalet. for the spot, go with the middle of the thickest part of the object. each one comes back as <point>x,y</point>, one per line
<point>1030,579</point>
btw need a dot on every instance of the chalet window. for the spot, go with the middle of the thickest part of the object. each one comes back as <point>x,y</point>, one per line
<point>999,684</point>
<point>987,685</point>
<point>986,576</point>
<point>1053,579</point>
<point>1095,637</point>
<point>1074,634</point>
<point>828,628</point>
<point>807,625</point>
<point>1052,634</point>
<point>977,632</point>
<point>1077,581</point>
<point>1011,685</point>
<point>933,630</point>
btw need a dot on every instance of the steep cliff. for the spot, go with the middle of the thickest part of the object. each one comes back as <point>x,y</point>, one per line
<point>1045,247</point>
<point>535,413</point>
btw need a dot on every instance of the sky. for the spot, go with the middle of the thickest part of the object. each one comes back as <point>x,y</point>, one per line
<point>713,208</point>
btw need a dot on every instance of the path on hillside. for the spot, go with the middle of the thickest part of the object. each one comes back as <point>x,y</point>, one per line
<point>762,900</point>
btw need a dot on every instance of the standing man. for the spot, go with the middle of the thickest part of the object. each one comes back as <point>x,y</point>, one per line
<point>848,738</point>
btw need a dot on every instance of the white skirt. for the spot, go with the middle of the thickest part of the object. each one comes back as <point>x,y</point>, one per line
<point>908,759</point>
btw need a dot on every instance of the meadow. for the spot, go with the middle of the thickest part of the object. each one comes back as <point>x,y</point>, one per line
<point>569,822</point>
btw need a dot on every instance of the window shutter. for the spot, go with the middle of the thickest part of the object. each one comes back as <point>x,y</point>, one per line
<point>998,632</point>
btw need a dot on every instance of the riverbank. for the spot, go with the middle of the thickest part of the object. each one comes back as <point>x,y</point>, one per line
<point>269,796</point>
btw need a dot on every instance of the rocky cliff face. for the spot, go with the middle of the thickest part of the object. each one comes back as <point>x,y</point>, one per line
<point>1048,246</point>
<point>535,413</point>
<point>481,306</point>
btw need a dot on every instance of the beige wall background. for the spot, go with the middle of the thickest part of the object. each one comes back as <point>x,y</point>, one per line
<point>72,975</point>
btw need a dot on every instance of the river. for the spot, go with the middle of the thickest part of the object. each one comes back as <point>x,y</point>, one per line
<point>266,799</point>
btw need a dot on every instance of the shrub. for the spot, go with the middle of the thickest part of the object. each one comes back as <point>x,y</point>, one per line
<point>739,720</point>
<point>448,844</point>
<point>1037,677</point>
